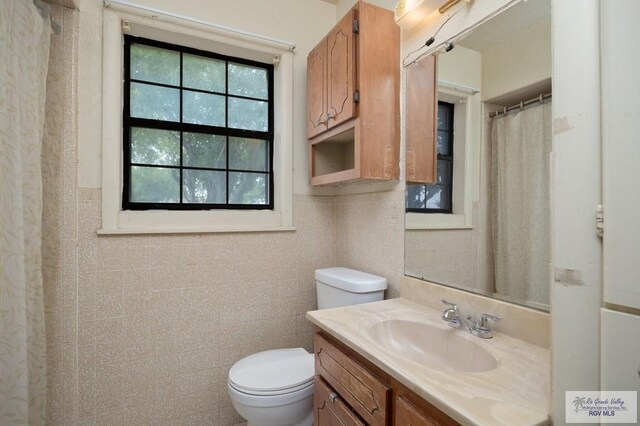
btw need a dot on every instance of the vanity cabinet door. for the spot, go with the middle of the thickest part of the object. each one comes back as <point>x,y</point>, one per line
<point>329,409</point>
<point>407,414</point>
<point>364,392</point>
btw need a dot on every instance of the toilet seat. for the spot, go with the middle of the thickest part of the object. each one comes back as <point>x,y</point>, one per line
<point>271,393</point>
<point>272,373</point>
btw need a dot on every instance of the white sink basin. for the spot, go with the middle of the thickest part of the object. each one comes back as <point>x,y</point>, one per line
<point>433,347</point>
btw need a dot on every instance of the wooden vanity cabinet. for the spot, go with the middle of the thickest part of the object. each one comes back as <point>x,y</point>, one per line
<point>362,390</point>
<point>407,414</point>
<point>330,408</point>
<point>353,106</point>
<point>352,391</point>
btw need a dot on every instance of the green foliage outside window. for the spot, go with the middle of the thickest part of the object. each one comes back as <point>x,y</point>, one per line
<point>198,129</point>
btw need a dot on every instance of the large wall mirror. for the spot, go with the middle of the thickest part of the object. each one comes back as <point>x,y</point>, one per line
<point>483,224</point>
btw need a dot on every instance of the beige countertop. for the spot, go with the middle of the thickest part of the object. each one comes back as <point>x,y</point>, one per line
<point>515,393</point>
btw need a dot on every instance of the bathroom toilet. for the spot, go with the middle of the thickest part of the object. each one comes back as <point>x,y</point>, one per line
<point>275,388</point>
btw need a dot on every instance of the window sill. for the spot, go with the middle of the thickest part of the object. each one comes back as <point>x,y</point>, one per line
<point>418,221</point>
<point>190,222</point>
<point>191,230</point>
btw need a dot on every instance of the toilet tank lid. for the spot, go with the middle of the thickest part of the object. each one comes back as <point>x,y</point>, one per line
<point>351,280</point>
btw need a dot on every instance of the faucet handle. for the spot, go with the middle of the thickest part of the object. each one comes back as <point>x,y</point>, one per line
<point>452,305</point>
<point>481,328</point>
<point>451,312</point>
<point>482,322</point>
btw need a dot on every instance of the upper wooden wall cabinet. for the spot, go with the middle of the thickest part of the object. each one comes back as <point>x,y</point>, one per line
<point>421,121</point>
<point>353,107</point>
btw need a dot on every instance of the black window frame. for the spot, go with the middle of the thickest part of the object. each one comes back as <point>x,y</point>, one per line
<point>130,122</point>
<point>448,129</point>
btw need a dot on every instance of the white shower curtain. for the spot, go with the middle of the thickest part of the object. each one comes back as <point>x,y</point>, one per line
<point>520,213</point>
<point>24,53</point>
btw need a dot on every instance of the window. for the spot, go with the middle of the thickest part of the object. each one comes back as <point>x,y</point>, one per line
<point>437,197</point>
<point>197,129</point>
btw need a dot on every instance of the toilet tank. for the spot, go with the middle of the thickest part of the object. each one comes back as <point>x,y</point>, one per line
<point>342,287</point>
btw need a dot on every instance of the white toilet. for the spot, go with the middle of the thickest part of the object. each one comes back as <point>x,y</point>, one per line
<point>275,388</point>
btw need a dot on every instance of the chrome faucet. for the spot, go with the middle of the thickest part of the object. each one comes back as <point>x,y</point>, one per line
<point>481,329</point>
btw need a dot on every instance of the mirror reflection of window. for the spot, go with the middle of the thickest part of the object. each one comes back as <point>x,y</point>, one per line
<point>437,197</point>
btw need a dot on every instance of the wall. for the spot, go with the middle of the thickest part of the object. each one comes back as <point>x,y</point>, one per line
<point>621,176</point>
<point>461,66</point>
<point>369,234</point>
<point>520,61</point>
<point>576,165</point>
<point>343,6</point>
<point>60,249</point>
<point>143,329</point>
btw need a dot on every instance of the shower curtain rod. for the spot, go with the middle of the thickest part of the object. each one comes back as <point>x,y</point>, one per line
<point>45,12</point>
<point>521,105</point>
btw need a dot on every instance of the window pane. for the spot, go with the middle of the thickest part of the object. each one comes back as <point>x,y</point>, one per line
<point>415,196</point>
<point>433,196</point>
<point>155,102</point>
<point>203,73</point>
<point>248,154</point>
<point>204,186</point>
<point>155,65</point>
<point>155,185</point>
<point>248,81</point>
<point>247,188</point>
<point>443,117</point>
<point>153,146</point>
<point>444,172</point>
<point>202,150</point>
<point>203,108</point>
<point>446,197</point>
<point>444,144</point>
<point>247,114</point>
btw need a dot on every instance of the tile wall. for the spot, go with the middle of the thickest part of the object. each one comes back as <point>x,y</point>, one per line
<point>143,329</point>
<point>370,234</point>
<point>60,247</point>
<point>443,256</point>
<point>167,315</point>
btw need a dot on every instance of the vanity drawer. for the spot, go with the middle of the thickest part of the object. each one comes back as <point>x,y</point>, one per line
<point>330,409</point>
<point>364,392</point>
<point>407,414</point>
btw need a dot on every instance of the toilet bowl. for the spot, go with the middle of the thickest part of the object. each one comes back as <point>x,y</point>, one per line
<point>274,388</point>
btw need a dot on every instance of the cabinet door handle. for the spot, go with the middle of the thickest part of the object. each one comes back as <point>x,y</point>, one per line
<point>333,396</point>
<point>320,122</point>
<point>330,116</point>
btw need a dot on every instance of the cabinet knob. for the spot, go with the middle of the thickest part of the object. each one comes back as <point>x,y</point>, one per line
<point>330,116</point>
<point>333,396</point>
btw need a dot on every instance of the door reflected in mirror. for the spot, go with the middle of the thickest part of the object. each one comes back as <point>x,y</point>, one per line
<point>482,223</point>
